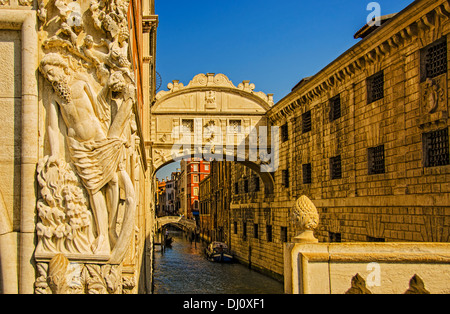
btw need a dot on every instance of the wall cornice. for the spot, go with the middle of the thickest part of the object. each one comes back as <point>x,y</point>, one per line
<point>423,16</point>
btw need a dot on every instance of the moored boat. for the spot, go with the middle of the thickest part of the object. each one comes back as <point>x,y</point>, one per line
<point>218,252</point>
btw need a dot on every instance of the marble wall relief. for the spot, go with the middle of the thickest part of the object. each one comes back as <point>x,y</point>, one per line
<point>85,178</point>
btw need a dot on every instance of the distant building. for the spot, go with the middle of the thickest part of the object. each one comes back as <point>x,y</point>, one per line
<point>195,171</point>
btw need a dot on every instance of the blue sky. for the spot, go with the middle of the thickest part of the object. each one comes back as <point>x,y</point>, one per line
<point>274,44</point>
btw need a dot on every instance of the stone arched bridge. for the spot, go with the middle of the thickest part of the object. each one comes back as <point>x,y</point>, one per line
<point>176,220</point>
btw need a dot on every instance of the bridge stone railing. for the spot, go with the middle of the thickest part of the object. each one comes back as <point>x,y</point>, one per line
<point>311,267</point>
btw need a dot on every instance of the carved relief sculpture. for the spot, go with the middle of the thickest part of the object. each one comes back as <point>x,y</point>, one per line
<point>432,95</point>
<point>91,106</point>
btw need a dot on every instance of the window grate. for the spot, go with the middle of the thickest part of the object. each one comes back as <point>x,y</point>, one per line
<point>336,168</point>
<point>376,160</point>
<point>436,59</point>
<point>284,234</point>
<point>256,231</point>
<point>269,233</point>
<point>375,87</point>
<point>257,186</point>
<point>284,133</point>
<point>306,122</point>
<point>335,108</point>
<point>436,145</point>
<point>188,125</point>
<point>307,174</point>
<point>285,178</point>
<point>335,237</point>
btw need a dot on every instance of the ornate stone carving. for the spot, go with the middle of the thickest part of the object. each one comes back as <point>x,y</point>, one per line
<point>65,221</point>
<point>210,100</point>
<point>57,274</point>
<point>358,286</point>
<point>416,286</point>
<point>307,216</point>
<point>92,107</point>
<point>104,279</point>
<point>433,95</point>
<point>215,80</point>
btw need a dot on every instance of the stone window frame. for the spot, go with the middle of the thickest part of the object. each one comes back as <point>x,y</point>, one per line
<point>430,144</point>
<point>335,105</point>
<point>256,183</point>
<point>246,186</point>
<point>244,231</point>
<point>307,173</point>
<point>307,122</point>
<point>269,233</point>
<point>256,231</point>
<point>188,123</point>
<point>376,162</point>
<point>284,132</point>
<point>284,234</point>
<point>336,167</point>
<point>334,237</point>
<point>285,178</point>
<point>424,58</point>
<point>374,91</point>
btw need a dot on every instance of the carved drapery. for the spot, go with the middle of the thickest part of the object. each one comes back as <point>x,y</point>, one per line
<point>85,177</point>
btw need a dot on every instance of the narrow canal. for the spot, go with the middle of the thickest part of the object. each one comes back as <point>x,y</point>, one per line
<point>184,269</point>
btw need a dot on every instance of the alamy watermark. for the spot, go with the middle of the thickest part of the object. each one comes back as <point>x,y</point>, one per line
<point>240,144</point>
<point>374,277</point>
<point>374,18</point>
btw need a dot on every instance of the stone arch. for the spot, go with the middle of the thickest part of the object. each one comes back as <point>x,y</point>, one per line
<point>209,100</point>
<point>266,177</point>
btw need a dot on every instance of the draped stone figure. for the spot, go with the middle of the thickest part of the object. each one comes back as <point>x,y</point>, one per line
<point>93,97</point>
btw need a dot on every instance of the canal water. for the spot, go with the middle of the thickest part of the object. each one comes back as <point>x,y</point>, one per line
<point>184,269</point>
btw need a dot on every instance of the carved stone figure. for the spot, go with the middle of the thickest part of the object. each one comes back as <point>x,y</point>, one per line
<point>94,96</point>
<point>433,94</point>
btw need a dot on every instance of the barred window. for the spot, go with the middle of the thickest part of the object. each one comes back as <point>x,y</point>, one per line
<point>284,234</point>
<point>307,173</point>
<point>256,231</point>
<point>306,122</point>
<point>375,87</point>
<point>245,186</point>
<point>335,108</point>
<point>335,168</point>
<point>436,148</point>
<point>284,133</point>
<point>188,124</point>
<point>285,178</point>
<point>235,227</point>
<point>335,237</point>
<point>434,59</point>
<point>236,188</point>
<point>257,186</point>
<point>269,233</point>
<point>376,160</point>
